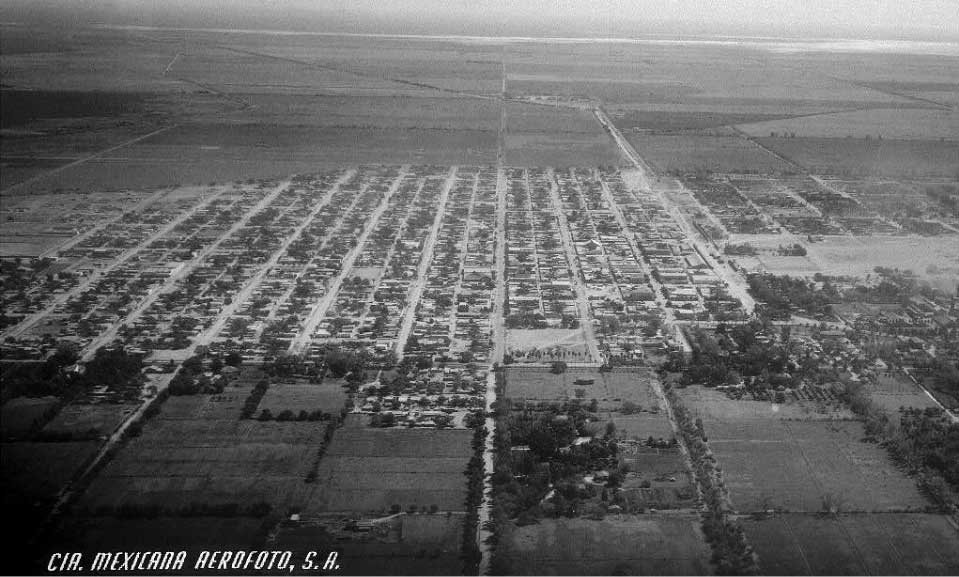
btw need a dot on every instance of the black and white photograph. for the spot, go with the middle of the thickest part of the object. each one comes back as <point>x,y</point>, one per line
<point>479,287</point>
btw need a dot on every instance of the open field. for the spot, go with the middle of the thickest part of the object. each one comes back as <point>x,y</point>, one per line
<point>19,415</point>
<point>800,465</point>
<point>857,156</point>
<point>631,545</point>
<point>895,390</point>
<point>80,419</point>
<point>714,406</point>
<point>611,389</point>
<point>560,149</point>
<point>652,422</point>
<point>885,123</point>
<point>425,113</point>
<point>197,450</point>
<point>38,471</point>
<point>370,470</point>
<point>931,258</point>
<point>867,544</point>
<point>95,533</point>
<point>859,256</point>
<point>327,397</point>
<point>421,544</point>
<point>689,153</point>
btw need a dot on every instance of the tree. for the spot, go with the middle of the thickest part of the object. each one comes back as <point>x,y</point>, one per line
<point>558,367</point>
<point>233,359</point>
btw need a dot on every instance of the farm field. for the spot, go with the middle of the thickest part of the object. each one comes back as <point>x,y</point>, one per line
<point>897,390</point>
<point>715,406</point>
<point>560,149</point>
<point>198,450</point>
<point>36,472</point>
<point>884,123</point>
<point>420,544</point>
<point>425,113</point>
<point>85,419</point>
<point>610,389</point>
<point>802,465</point>
<point>327,397</point>
<point>370,470</point>
<point>631,545</point>
<point>931,258</point>
<point>855,544</point>
<point>857,156</point>
<point>690,153</point>
<point>96,533</point>
<point>19,415</point>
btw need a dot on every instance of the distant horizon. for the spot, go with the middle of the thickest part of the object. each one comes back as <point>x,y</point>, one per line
<point>772,43</point>
<point>819,20</point>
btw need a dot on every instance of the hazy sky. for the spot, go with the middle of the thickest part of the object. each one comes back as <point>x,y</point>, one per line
<point>910,19</point>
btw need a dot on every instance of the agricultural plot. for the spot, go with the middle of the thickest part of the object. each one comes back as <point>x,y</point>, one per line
<point>21,414</point>
<point>197,450</point>
<point>865,157</point>
<point>806,466</point>
<point>84,419</point>
<point>104,533</point>
<point>712,405</point>
<point>610,389</point>
<point>371,470</point>
<point>868,544</point>
<point>692,153</point>
<point>893,391</point>
<point>878,123</point>
<point>646,422</point>
<point>321,145</point>
<point>386,112</point>
<point>34,473</point>
<point>561,149</point>
<point>327,397</point>
<point>405,544</point>
<point>932,258</point>
<point>644,545</point>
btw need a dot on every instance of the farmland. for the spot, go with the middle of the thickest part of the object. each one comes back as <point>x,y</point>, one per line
<point>369,470</point>
<point>645,545</point>
<point>610,389</point>
<point>901,543</point>
<point>691,153</point>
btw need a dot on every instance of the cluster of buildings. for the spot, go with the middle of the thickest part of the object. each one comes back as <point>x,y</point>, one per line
<point>452,317</point>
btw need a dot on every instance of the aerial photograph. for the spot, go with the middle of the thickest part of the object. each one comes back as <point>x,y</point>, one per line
<point>450,287</point>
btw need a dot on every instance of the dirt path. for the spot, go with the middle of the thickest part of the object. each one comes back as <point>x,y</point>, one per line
<point>582,300</point>
<point>59,169</point>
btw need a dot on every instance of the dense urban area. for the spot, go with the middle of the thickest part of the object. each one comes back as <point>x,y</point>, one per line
<point>467,308</point>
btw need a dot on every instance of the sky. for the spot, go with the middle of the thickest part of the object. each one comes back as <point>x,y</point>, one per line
<point>875,19</point>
